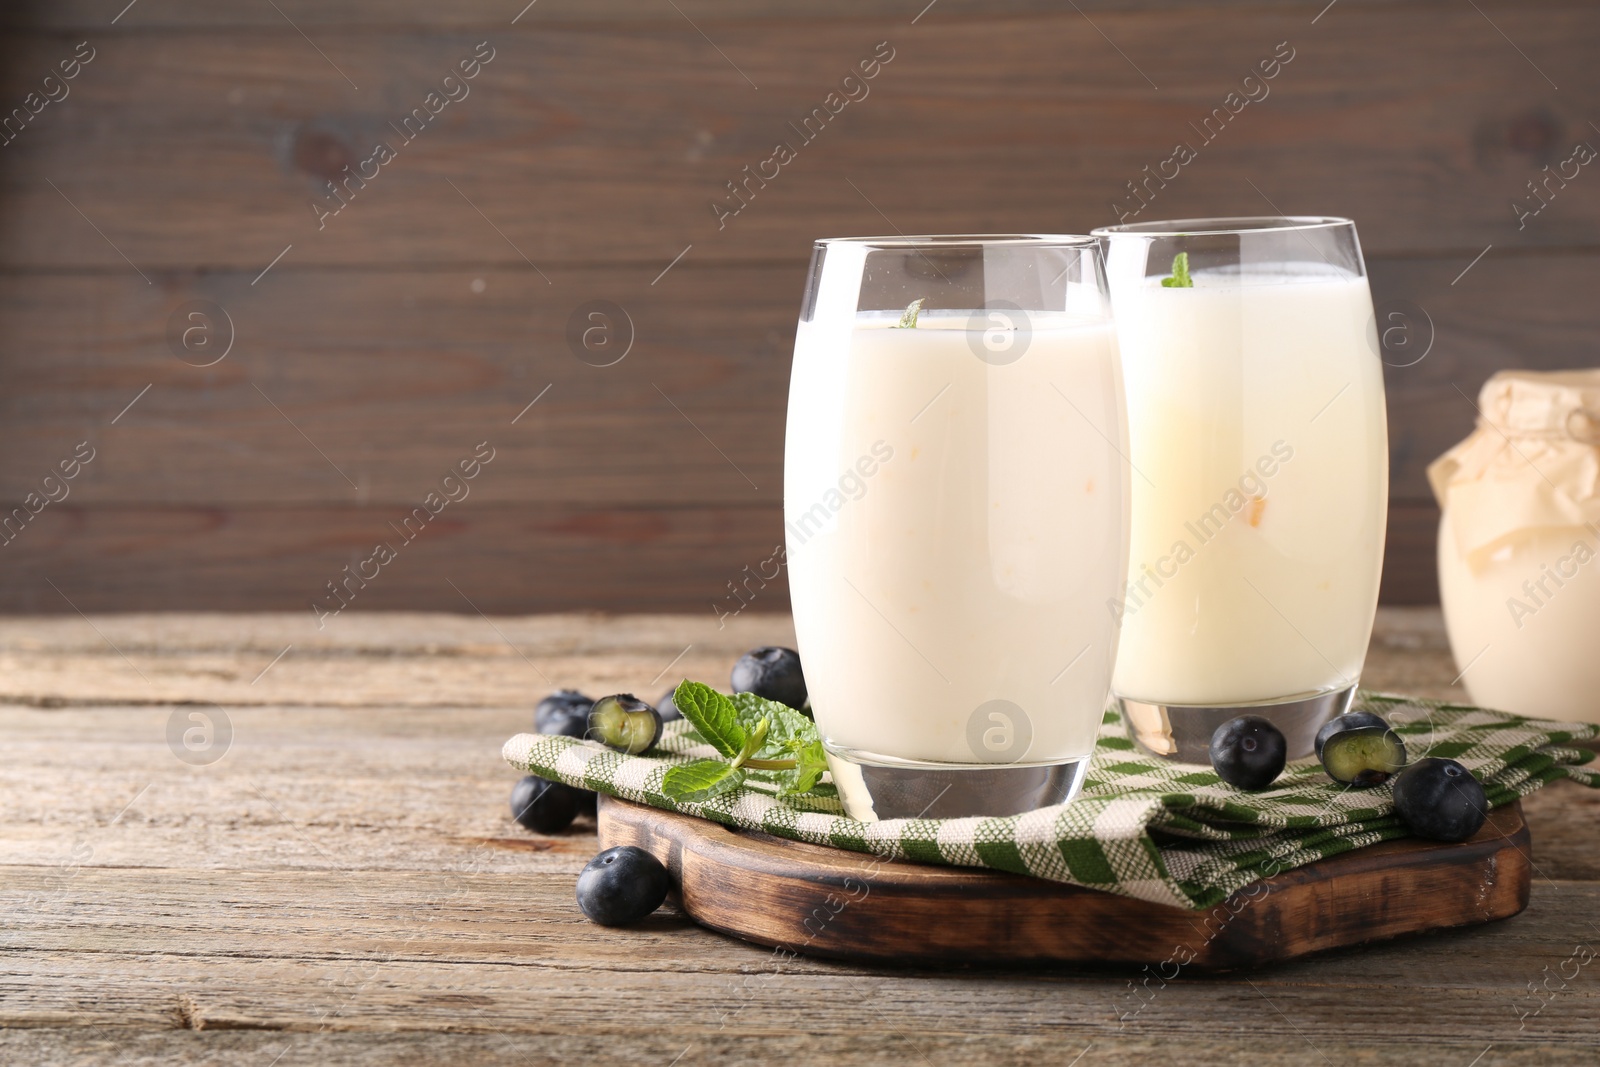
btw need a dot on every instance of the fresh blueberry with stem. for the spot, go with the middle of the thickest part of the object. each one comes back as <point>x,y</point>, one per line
<point>625,723</point>
<point>773,673</point>
<point>1349,720</point>
<point>1440,799</point>
<point>564,712</point>
<point>1248,752</point>
<point>622,885</point>
<point>544,806</point>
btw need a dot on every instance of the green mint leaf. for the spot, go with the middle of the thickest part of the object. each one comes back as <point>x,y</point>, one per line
<point>791,736</point>
<point>908,321</point>
<point>813,762</point>
<point>1180,273</point>
<point>713,715</point>
<point>700,780</point>
<point>753,743</point>
<point>785,725</point>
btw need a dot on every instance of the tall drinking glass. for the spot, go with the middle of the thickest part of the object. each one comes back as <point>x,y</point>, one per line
<point>1261,476</point>
<point>956,504</point>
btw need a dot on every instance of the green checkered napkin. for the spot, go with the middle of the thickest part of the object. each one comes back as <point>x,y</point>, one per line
<point>1171,833</point>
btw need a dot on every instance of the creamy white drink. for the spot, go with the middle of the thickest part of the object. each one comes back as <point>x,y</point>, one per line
<point>955,527</point>
<point>1256,419</point>
<point>1522,621</point>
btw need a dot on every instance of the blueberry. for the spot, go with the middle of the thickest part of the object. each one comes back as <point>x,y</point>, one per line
<point>622,885</point>
<point>1363,755</point>
<point>1440,799</point>
<point>1248,752</point>
<point>625,723</point>
<point>668,706</point>
<point>564,712</point>
<point>544,806</point>
<point>1349,720</point>
<point>773,673</point>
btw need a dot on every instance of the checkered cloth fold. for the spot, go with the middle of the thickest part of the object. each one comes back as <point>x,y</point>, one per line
<point>1171,833</point>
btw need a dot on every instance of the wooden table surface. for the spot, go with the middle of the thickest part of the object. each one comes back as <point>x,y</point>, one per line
<point>336,880</point>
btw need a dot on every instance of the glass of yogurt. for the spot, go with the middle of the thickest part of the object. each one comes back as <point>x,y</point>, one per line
<point>1259,447</point>
<point>956,501</point>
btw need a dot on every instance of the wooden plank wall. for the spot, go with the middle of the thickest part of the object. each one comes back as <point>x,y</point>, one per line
<point>386,341</point>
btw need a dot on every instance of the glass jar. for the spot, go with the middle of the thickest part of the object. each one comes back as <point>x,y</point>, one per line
<point>1519,543</point>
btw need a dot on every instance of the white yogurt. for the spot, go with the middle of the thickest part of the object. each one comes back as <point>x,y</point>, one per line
<point>974,562</point>
<point>1259,443</point>
<point>1523,623</point>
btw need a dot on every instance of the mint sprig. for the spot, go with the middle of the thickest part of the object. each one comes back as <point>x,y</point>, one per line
<point>1180,273</point>
<point>793,757</point>
<point>763,741</point>
<point>812,761</point>
<point>908,320</point>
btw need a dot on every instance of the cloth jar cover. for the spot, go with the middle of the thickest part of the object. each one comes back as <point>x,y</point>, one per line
<point>1533,460</point>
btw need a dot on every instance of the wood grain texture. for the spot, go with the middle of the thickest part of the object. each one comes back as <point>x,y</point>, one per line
<point>52,1047</point>
<point>823,902</point>
<point>498,557</point>
<point>434,366</point>
<point>147,524</point>
<point>367,390</point>
<point>394,660</point>
<point>495,14</point>
<point>426,314</point>
<point>995,124</point>
<point>345,884</point>
<point>1410,570</point>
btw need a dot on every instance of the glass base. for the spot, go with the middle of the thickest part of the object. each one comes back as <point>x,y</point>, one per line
<point>875,787</point>
<point>1183,732</point>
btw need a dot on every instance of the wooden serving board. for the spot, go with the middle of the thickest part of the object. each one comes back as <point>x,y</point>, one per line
<point>828,902</point>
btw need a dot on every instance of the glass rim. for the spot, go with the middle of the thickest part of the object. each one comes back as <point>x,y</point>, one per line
<point>1213,227</point>
<point>963,240</point>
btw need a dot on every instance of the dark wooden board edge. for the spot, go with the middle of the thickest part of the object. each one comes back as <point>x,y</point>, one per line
<point>832,903</point>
